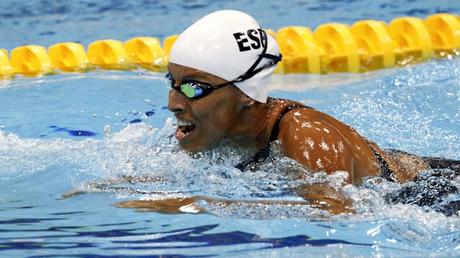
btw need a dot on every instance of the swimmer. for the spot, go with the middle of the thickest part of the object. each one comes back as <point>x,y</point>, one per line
<point>218,73</point>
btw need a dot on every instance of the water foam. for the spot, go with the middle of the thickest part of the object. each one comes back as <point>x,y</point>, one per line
<point>143,162</point>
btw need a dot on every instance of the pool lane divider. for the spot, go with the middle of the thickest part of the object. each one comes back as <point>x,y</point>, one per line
<point>364,46</point>
<point>6,70</point>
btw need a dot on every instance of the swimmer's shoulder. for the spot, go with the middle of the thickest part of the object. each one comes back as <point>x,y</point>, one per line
<point>307,137</point>
<point>306,120</point>
<point>309,119</point>
<point>296,119</point>
<point>322,142</point>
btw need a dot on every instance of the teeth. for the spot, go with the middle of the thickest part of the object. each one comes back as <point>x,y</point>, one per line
<point>181,122</point>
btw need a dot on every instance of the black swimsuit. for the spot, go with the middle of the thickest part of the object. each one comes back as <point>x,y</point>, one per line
<point>264,153</point>
<point>385,170</point>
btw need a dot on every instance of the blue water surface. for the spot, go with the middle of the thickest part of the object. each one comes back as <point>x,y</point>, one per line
<point>85,132</point>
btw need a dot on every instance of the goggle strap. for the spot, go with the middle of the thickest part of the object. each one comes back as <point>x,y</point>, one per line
<point>274,58</point>
<point>261,55</point>
<point>250,74</point>
<point>253,70</point>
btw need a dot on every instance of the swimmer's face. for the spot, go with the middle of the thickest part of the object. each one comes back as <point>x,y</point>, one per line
<point>203,122</point>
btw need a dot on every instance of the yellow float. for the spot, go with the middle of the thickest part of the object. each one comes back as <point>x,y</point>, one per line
<point>108,54</point>
<point>6,70</point>
<point>300,53</point>
<point>68,57</point>
<point>31,60</point>
<point>146,52</point>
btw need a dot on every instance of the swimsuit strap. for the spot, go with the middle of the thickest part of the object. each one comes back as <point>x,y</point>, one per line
<point>385,170</point>
<point>276,127</point>
<point>263,153</point>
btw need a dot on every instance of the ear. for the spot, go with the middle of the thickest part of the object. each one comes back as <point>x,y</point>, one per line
<point>247,103</point>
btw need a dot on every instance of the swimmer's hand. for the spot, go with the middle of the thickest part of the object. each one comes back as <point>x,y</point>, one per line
<point>326,197</point>
<point>168,206</point>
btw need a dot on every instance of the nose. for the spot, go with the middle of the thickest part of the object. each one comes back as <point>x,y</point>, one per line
<point>176,102</point>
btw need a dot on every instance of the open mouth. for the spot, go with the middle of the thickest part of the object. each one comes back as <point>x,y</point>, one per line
<point>184,128</point>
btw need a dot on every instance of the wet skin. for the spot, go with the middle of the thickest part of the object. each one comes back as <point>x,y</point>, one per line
<point>314,139</point>
<point>309,136</point>
<point>225,114</point>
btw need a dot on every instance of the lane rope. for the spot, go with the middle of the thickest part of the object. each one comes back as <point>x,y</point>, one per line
<point>364,46</point>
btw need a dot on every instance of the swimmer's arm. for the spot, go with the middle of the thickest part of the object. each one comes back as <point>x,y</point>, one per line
<point>107,184</point>
<point>324,197</point>
<point>321,196</point>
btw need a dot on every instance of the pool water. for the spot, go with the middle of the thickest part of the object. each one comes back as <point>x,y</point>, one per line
<point>89,132</point>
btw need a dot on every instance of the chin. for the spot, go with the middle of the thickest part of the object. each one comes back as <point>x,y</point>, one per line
<point>193,148</point>
<point>197,147</point>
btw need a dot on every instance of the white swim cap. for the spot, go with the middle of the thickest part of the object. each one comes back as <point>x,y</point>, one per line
<point>231,45</point>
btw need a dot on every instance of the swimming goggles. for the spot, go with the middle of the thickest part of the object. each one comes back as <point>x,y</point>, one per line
<point>194,89</point>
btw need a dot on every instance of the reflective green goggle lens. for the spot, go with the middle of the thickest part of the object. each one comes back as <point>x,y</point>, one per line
<point>191,90</point>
